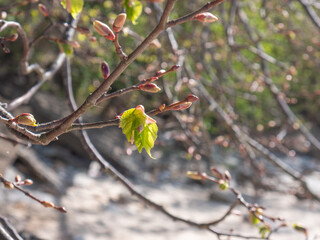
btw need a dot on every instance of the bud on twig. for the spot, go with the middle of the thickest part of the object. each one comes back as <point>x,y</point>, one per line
<point>103,30</point>
<point>13,37</point>
<point>8,185</point>
<point>47,204</point>
<point>119,22</point>
<point>149,87</point>
<point>17,178</point>
<point>194,175</point>
<point>105,70</point>
<point>162,107</point>
<point>205,17</point>
<point>182,106</point>
<point>192,98</point>
<point>25,119</point>
<point>28,182</point>
<point>43,9</point>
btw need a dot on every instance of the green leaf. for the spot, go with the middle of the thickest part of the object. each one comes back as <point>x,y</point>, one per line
<point>133,9</point>
<point>263,230</point>
<point>253,219</point>
<point>76,6</point>
<point>66,48</point>
<point>134,126</point>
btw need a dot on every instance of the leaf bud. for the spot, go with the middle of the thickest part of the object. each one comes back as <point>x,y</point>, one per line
<point>182,106</point>
<point>140,108</point>
<point>223,185</point>
<point>105,69</point>
<point>8,185</point>
<point>17,178</point>
<point>149,87</point>
<point>62,209</point>
<point>43,9</point>
<point>47,204</point>
<point>174,68</point>
<point>216,172</point>
<point>194,175</point>
<point>25,119</point>
<point>28,182</point>
<point>162,107</point>
<point>227,175</point>
<point>119,22</point>
<point>192,98</point>
<point>206,17</point>
<point>103,30</point>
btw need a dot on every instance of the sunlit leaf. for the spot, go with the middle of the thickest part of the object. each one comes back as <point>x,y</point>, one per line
<point>133,9</point>
<point>136,127</point>
<point>73,6</point>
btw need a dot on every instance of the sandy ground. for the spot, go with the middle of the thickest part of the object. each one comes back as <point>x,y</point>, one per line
<point>100,208</point>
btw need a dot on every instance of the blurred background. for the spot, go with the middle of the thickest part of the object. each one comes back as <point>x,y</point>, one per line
<point>256,72</point>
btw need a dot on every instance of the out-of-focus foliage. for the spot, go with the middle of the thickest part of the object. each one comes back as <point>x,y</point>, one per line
<point>230,71</point>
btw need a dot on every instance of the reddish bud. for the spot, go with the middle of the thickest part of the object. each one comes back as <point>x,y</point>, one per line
<point>103,30</point>
<point>119,22</point>
<point>149,87</point>
<point>140,108</point>
<point>25,119</point>
<point>61,209</point>
<point>43,9</point>
<point>216,172</point>
<point>105,70</point>
<point>192,98</point>
<point>12,38</point>
<point>17,178</point>
<point>205,17</point>
<point>162,107</point>
<point>174,68</point>
<point>182,106</point>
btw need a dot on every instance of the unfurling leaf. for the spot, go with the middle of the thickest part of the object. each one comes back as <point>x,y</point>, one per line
<point>74,7</point>
<point>25,119</point>
<point>139,128</point>
<point>133,9</point>
<point>300,228</point>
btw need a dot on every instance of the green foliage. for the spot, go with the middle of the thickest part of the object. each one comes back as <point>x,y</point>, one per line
<point>76,6</point>
<point>133,9</point>
<point>66,48</point>
<point>135,126</point>
<point>263,230</point>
